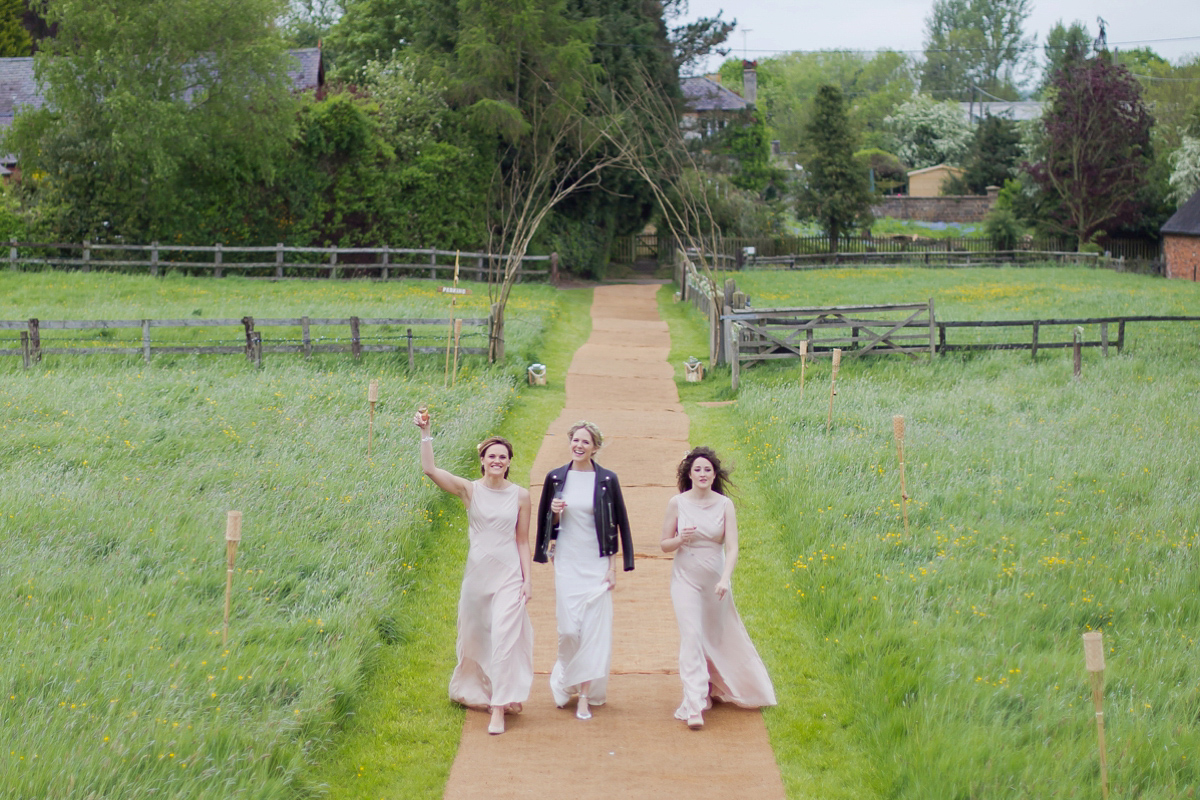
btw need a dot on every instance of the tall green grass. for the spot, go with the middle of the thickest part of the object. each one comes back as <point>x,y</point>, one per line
<point>115,477</point>
<point>1042,507</point>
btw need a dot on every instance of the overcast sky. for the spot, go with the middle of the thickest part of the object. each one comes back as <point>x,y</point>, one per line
<point>769,27</point>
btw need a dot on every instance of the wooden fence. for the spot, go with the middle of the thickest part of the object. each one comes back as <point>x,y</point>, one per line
<point>277,262</point>
<point>249,337</point>
<point>742,336</point>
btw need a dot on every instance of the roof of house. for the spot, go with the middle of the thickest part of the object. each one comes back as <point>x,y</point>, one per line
<point>1186,219</point>
<point>935,168</point>
<point>704,94</point>
<point>1018,110</point>
<point>18,86</point>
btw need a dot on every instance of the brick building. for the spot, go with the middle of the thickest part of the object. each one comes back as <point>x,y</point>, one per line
<point>1181,241</point>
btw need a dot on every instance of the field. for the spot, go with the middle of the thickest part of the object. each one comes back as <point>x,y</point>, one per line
<point>946,661</point>
<point>115,477</point>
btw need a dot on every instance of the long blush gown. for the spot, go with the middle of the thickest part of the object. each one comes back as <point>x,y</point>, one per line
<point>495,637</point>
<point>582,602</point>
<point>716,657</point>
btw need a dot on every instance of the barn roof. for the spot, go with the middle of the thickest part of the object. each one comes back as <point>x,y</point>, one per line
<point>705,94</point>
<point>1186,220</point>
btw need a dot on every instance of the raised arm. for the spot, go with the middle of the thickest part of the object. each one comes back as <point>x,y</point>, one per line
<point>444,480</point>
<point>731,549</point>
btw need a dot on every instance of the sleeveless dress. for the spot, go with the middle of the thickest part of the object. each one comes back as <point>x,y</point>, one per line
<point>716,657</point>
<point>582,602</point>
<point>495,637</point>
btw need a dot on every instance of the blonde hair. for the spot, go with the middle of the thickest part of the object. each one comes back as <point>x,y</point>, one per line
<point>590,427</point>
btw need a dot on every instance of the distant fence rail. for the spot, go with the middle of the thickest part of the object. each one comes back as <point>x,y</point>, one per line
<point>743,337</point>
<point>393,335</point>
<point>276,261</point>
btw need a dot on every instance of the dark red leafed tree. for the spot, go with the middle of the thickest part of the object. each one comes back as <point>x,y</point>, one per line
<point>1097,148</point>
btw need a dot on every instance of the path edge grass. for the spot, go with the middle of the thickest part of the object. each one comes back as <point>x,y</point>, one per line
<point>811,727</point>
<point>404,733</point>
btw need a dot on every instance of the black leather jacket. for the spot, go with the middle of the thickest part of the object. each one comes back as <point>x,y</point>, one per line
<point>608,504</point>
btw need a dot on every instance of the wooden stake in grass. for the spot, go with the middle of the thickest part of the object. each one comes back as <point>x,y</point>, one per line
<point>1093,652</point>
<point>803,363</point>
<point>898,429</point>
<point>457,334</point>
<point>455,325</point>
<point>372,398</point>
<point>233,536</point>
<point>837,362</point>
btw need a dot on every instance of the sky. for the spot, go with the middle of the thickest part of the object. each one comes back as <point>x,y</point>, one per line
<point>769,27</point>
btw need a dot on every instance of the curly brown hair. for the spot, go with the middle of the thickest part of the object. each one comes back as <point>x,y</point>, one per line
<point>683,474</point>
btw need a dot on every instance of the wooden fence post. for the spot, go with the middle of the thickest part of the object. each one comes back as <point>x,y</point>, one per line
<point>932,328</point>
<point>26,357</point>
<point>1104,338</point>
<point>35,341</point>
<point>1035,340</point>
<point>154,259</point>
<point>479,269</point>
<point>433,263</point>
<point>257,337</point>
<point>279,259</point>
<point>1120,336</point>
<point>735,361</point>
<point>333,270</point>
<point>306,337</point>
<point>1077,347</point>
<point>248,324</point>
<point>217,261</point>
<point>146,340</point>
<point>410,350</point>
<point>554,268</point>
<point>87,256</point>
<point>12,253</point>
<point>386,260</point>
<point>355,343</point>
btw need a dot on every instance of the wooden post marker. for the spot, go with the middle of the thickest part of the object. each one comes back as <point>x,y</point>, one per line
<point>372,398</point>
<point>233,536</point>
<point>457,334</point>
<point>454,326</point>
<point>898,429</point>
<point>1077,346</point>
<point>803,363</point>
<point>1093,653</point>
<point>837,362</point>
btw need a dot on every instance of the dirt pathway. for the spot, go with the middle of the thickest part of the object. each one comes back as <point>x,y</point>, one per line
<point>632,747</point>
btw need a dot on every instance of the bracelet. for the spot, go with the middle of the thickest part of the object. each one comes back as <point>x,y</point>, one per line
<point>427,439</point>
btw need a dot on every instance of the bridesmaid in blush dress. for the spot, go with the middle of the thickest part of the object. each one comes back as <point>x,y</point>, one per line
<point>495,637</point>
<point>716,657</point>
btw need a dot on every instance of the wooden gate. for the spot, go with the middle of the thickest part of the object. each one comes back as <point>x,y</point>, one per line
<point>767,334</point>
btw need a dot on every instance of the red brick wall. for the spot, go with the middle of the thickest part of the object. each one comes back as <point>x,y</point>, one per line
<point>1182,254</point>
<point>950,208</point>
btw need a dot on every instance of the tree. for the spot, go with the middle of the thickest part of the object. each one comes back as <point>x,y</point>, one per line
<point>1064,45</point>
<point>157,114</point>
<point>835,190</point>
<point>925,133</point>
<point>1185,172</point>
<point>14,39</point>
<point>994,157</point>
<point>975,43</point>
<point>1096,148</point>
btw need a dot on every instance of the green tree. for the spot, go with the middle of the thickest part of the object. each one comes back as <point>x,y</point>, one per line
<point>975,43</point>
<point>1096,149</point>
<point>994,157</point>
<point>925,132</point>
<point>14,38</point>
<point>1064,45</point>
<point>834,190</point>
<point>158,112</point>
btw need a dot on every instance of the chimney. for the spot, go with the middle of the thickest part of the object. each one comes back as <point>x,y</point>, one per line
<point>750,82</point>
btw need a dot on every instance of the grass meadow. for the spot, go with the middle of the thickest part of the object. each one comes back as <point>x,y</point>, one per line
<point>946,661</point>
<point>115,477</point>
